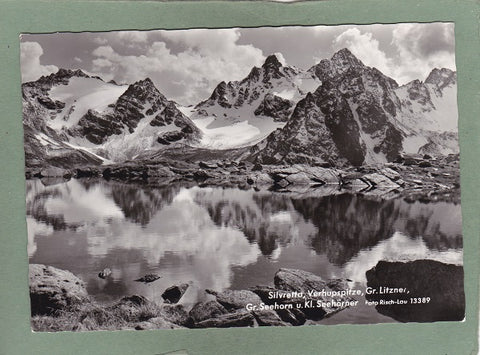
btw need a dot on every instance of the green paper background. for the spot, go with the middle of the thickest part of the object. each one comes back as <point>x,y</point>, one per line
<point>51,16</point>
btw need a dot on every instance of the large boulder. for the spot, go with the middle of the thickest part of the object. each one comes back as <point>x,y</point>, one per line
<point>55,172</point>
<point>174,293</point>
<point>379,180</point>
<point>298,280</point>
<point>293,316</point>
<point>433,290</point>
<point>236,299</point>
<point>53,289</point>
<point>205,310</point>
<point>207,165</point>
<point>175,314</point>
<point>319,300</point>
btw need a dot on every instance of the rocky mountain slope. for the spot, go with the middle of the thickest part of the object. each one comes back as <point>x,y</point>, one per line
<point>241,113</point>
<point>83,120</point>
<point>360,116</point>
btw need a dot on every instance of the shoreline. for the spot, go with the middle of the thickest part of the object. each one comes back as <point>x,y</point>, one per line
<point>425,179</point>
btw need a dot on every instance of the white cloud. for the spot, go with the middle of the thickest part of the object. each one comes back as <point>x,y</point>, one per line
<point>281,58</point>
<point>100,40</point>
<point>30,53</point>
<point>77,59</point>
<point>132,36</point>
<point>366,48</point>
<point>188,76</point>
<point>422,47</point>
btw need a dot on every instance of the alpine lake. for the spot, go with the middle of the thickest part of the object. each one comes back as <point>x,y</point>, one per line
<point>228,238</point>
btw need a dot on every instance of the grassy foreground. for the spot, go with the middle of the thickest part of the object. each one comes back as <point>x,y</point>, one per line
<point>92,316</point>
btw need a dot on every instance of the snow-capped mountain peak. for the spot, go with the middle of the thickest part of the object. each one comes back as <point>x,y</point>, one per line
<point>112,121</point>
<point>256,105</point>
<point>442,78</point>
<point>345,58</point>
<point>358,116</point>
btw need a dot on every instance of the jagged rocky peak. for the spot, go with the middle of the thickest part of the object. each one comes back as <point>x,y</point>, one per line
<point>219,95</point>
<point>272,62</point>
<point>70,73</point>
<point>417,91</point>
<point>272,68</point>
<point>349,117</point>
<point>146,83</point>
<point>46,82</point>
<point>442,77</point>
<point>341,62</point>
<point>345,58</point>
<point>251,89</point>
<point>62,76</point>
<point>143,90</point>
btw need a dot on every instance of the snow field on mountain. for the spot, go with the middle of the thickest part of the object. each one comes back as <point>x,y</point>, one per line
<point>301,86</point>
<point>236,127</point>
<point>126,145</point>
<point>225,134</point>
<point>412,143</point>
<point>443,117</point>
<point>186,110</point>
<point>90,151</point>
<point>80,95</point>
<point>306,83</point>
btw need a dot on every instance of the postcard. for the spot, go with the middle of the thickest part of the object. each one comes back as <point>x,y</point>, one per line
<point>242,177</point>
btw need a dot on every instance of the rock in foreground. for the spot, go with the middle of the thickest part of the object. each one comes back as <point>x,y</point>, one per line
<point>60,302</point>
<point>52,289</point>
<point>435,288</point>
<point>174,293</point>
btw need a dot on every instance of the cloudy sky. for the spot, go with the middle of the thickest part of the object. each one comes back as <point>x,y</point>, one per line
<point>186,65</point>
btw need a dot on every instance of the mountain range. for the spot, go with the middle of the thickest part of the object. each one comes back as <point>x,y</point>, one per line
<point>338,112</point>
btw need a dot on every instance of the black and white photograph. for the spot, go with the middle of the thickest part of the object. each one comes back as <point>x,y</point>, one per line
<point>242,177</point>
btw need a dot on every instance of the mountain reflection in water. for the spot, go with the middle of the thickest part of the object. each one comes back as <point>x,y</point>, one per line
<point>225,238</point>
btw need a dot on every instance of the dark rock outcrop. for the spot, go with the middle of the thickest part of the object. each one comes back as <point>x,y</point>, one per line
<point>148,278</point>
<point>206,310</point>
<point>53,290</point>
<point>353,107</point>
<point>441,283</point>
<point>256,88</point>
<point>276,107</point>
<point>174,293</point>
<point>235,299</point>
<point>176,314</point>
<point>129,109</point>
